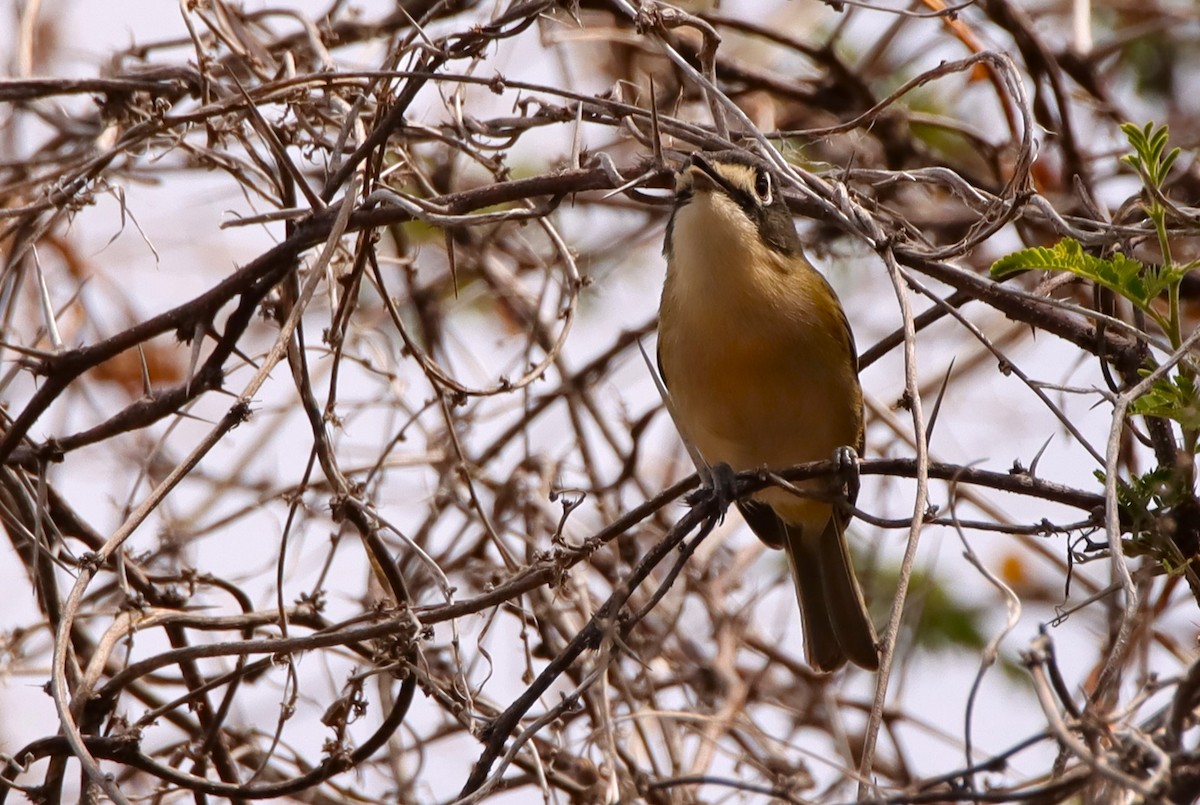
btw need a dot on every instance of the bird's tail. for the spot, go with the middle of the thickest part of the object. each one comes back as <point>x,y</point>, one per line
<point>833,613</point>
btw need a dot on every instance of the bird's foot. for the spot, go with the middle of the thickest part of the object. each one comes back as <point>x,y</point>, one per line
<point>846,477</point>
<point>721,488</point>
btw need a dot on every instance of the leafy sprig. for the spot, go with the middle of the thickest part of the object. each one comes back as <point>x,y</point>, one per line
<point>1132,279</point>
<point>1138,282</point>
<point>1149,158</point>
<point>1164,489</point>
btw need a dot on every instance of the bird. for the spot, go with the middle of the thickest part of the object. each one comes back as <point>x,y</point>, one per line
<point>760,370</point>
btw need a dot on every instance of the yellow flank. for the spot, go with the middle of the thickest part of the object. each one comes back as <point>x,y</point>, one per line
<point>755,351</point>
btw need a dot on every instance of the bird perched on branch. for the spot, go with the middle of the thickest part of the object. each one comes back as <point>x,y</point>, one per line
<point>761,370</point>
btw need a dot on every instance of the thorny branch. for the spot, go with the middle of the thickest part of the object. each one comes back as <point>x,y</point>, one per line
<point>413,319</point>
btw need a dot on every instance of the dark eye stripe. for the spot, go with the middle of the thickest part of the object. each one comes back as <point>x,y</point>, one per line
<point>769,214</point>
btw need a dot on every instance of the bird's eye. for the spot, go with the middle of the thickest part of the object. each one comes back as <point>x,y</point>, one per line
<point>762,186</point>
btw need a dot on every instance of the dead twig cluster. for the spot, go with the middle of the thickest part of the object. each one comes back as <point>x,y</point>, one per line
<point>366,492</point>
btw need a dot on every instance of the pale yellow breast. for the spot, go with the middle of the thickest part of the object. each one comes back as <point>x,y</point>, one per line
<point>756,359</point>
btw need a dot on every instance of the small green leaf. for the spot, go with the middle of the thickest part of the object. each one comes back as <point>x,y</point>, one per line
<point>1169,161</point>
<point>1150,158</point>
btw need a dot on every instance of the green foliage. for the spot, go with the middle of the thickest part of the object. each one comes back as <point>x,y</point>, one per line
<point>946,622</point>
<point>1151,506</point>
<point>1146,500</point>
<point>1148,157</point>
<point>1137,282</point>
<point>1147,492</point>
<point>1173,398</point>
<point>1141,284</point>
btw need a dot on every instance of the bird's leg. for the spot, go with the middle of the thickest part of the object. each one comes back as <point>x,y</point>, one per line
<point>845,474</point>
<point>721,486</point>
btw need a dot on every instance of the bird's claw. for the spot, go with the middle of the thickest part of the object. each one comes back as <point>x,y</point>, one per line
<point>721,488</point>
<point>845,461</point>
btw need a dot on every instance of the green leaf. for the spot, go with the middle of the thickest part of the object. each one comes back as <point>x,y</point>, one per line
<point>1149,158</point>
<point>1130,278</point>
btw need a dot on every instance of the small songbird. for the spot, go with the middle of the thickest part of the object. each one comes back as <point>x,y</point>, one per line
<point>761,370</point>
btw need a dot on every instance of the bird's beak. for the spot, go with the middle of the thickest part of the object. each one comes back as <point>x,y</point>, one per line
<point>699,179</point>
<point>701,174</point>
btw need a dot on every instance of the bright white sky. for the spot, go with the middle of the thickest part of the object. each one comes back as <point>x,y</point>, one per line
<point>991,420</point>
